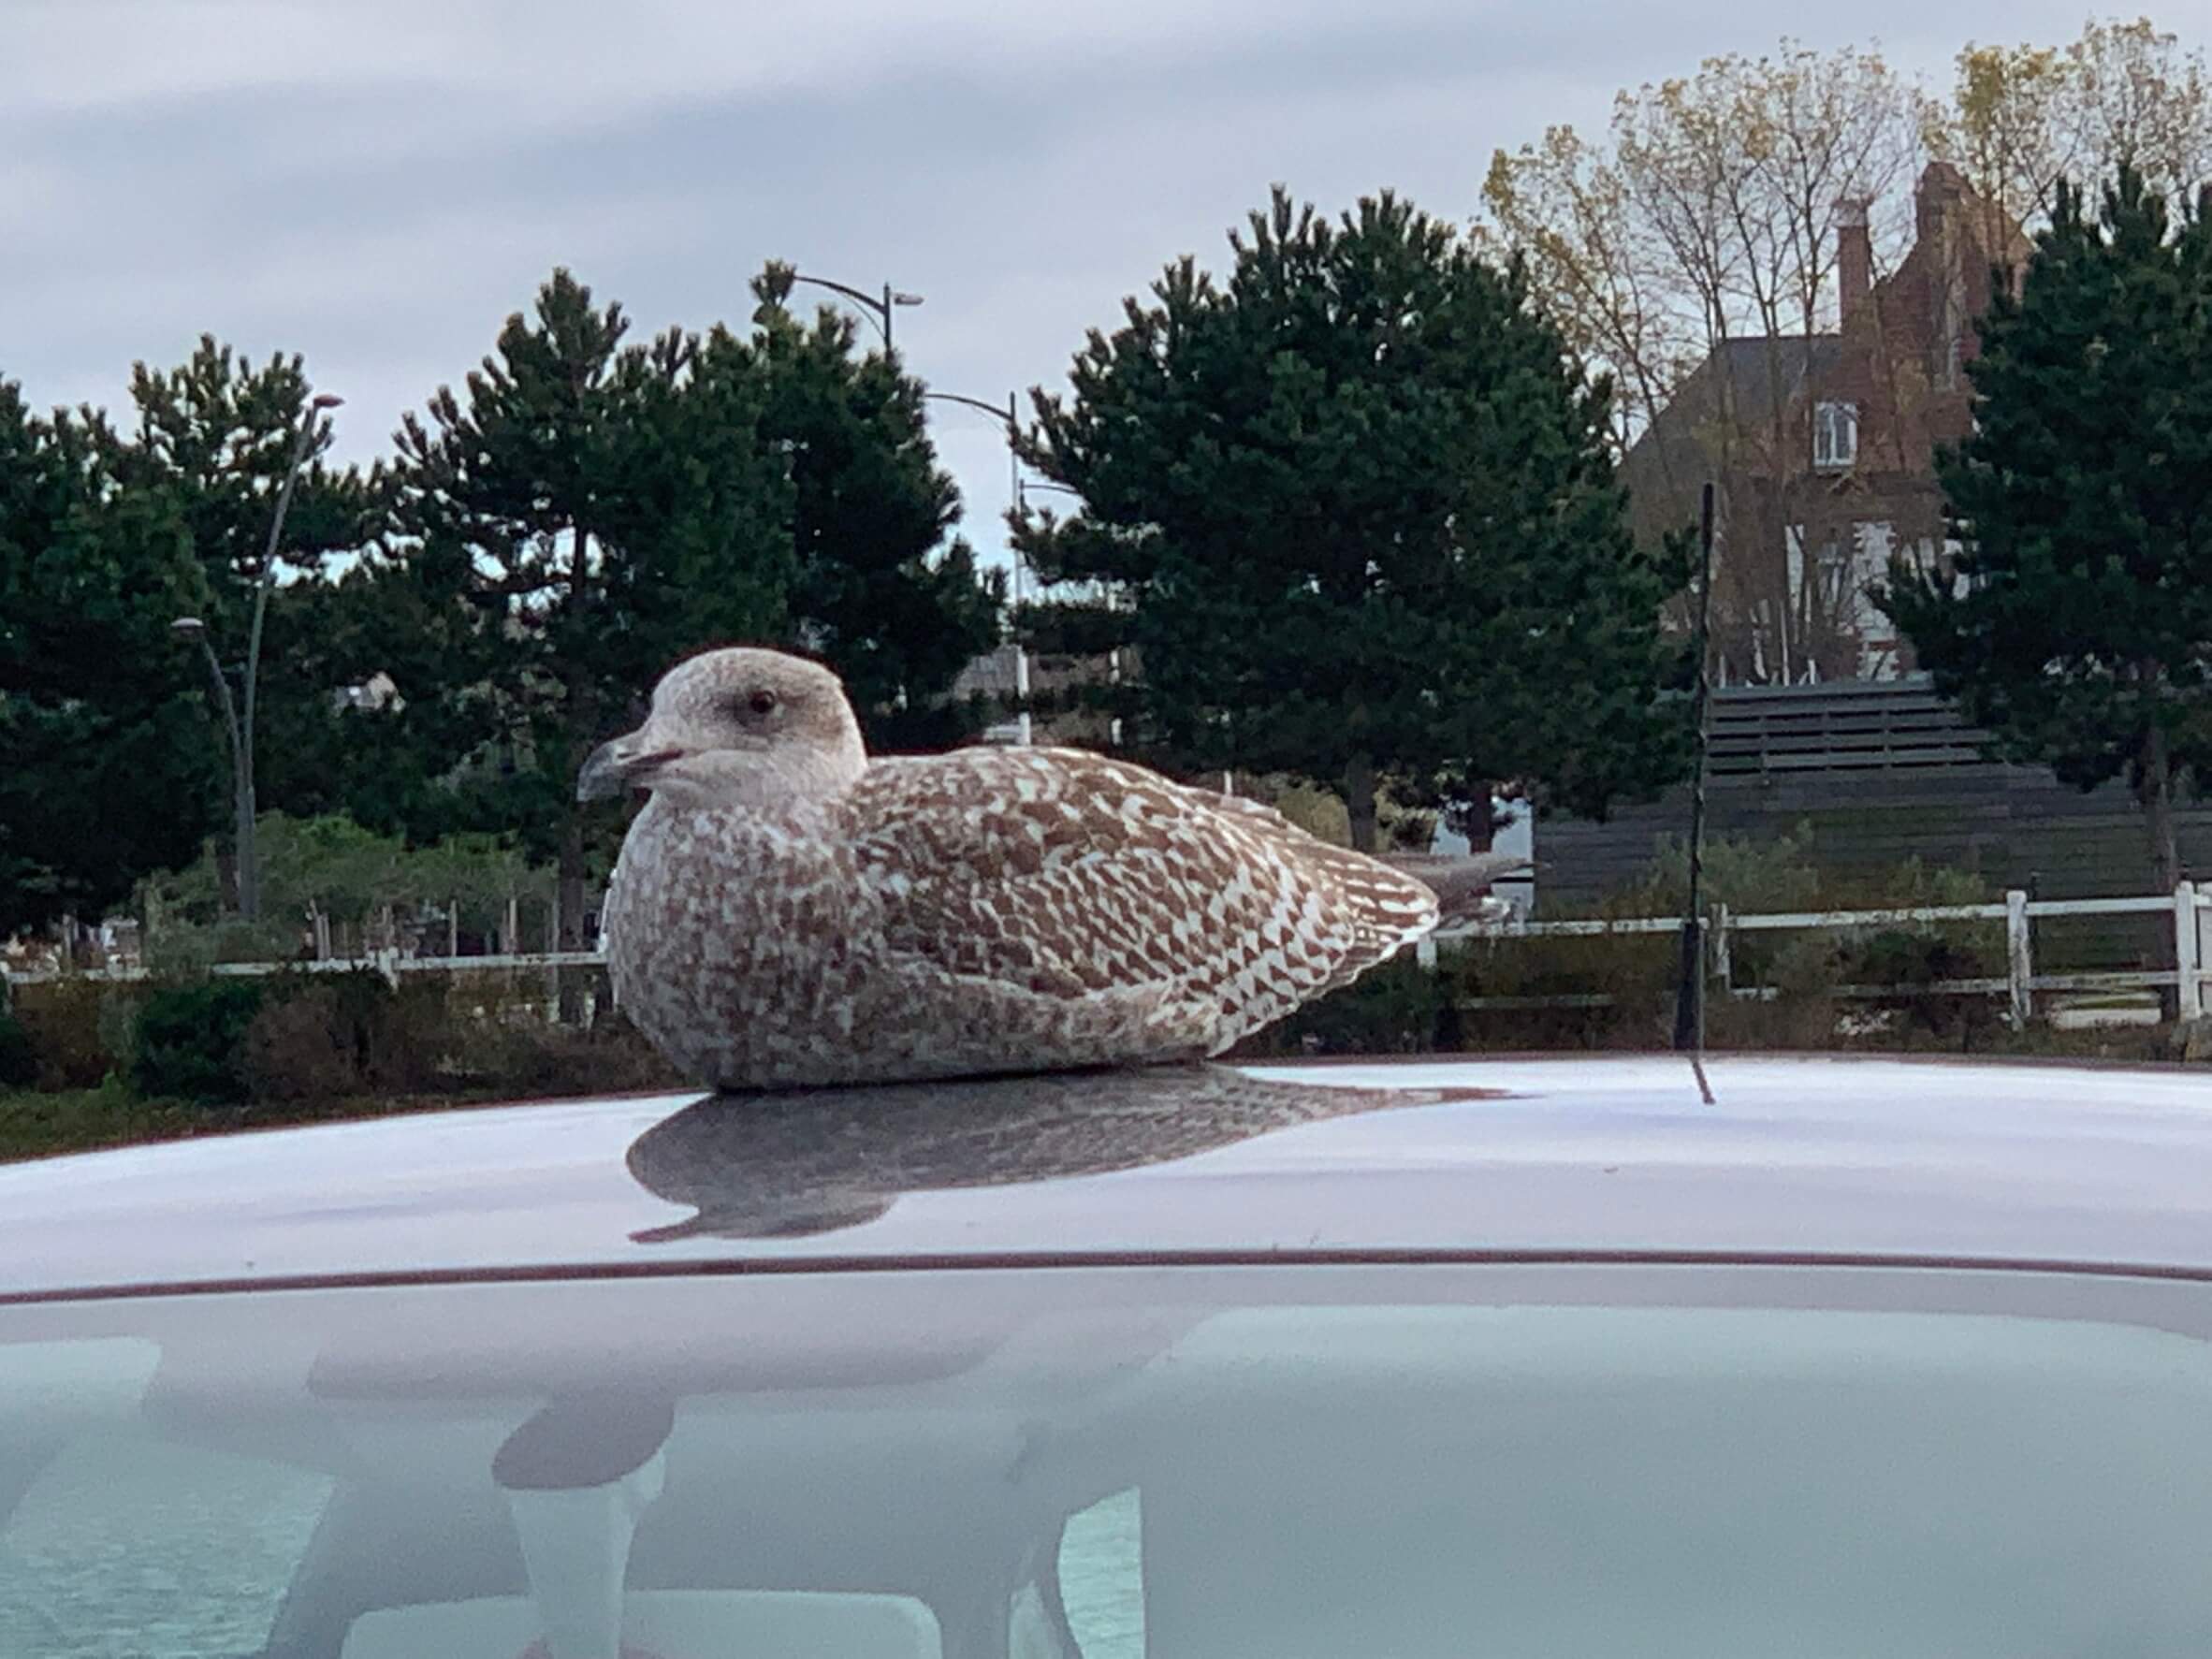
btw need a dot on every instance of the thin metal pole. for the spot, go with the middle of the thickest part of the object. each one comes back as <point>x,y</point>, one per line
<point>239,784</point>
<point>1689,1012</point>
<point>1012,415</point>
<point>1021,648</point>
<point>249,874</point>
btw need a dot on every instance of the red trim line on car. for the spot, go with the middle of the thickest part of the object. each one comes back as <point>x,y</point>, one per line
<point>1033,1261</point>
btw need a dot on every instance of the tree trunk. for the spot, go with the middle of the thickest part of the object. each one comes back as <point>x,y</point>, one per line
<point>582,709</point>
<point>1359,799</point>
<point>227,875</point>
<point>1482,829</point>
<point>569,910</point>
<point>2154,791</point>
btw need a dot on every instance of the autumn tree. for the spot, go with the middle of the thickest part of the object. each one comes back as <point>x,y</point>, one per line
<point>2079,625</point>
<point>1709,213</point>
<point>1694,257</point>
<point>1353,512</point>
<point>2023,119</point>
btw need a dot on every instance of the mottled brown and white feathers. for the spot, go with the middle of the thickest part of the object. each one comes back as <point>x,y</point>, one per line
<point>1464,883</point>
<point>788,912</point>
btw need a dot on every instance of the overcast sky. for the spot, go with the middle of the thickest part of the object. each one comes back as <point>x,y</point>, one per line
<point>378,184</point>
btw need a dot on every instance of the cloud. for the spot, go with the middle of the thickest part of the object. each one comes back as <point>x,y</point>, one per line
<point>378,186</point>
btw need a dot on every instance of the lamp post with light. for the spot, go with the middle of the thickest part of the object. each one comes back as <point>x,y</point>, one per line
<point>1023,489</point>
<point>1010,415</point>
<point>879,307</point>
<point>240,730</point>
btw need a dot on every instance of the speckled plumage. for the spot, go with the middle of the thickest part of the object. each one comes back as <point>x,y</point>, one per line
<point>985,910</point>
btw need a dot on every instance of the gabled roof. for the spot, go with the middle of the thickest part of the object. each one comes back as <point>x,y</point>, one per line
<point>1742,379</point>
<point>1758,368</point>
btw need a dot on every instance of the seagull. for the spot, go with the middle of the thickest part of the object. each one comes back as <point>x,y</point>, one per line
<point>789,912</point>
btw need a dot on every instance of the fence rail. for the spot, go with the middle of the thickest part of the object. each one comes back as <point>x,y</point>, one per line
<point>391,964</point>
<point>2189,908</point>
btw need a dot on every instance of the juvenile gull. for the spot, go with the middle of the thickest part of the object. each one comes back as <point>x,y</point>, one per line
<point>787,912</point>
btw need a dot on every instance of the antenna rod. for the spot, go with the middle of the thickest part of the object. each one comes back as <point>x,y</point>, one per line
<point>1689,1008</point>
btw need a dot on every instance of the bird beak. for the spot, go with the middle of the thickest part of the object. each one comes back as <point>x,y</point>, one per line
<point>624,764</point>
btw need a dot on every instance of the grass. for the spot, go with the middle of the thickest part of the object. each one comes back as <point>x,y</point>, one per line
<point>48,1125</point>
<point>80,1120</point>
<point>34,1125</point>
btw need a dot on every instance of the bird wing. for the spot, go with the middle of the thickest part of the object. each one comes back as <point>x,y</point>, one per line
<point>1071,874</point>
<point>1461,882</point>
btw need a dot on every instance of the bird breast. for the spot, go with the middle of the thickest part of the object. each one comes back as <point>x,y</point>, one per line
<point>739,907</point>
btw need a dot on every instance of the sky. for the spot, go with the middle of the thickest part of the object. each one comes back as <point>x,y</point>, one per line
<point>379,183</point>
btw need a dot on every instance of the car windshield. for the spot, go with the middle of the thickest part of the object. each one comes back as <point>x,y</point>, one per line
<point>1103,1463</point>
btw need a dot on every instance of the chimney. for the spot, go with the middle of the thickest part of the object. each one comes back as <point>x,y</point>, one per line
<point>1855,257</point>
<point>1936,200</point>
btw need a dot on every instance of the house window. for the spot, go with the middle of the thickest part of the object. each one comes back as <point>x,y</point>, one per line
<point>1836,561</point>
<point>1834,435</point>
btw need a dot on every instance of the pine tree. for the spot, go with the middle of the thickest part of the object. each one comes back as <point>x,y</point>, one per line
<point>2078,623</point>
<point>210,447</point>
<point>107,769</point>
<point>1353,509</point>
<point>884,590</point>
<point>578,516</point>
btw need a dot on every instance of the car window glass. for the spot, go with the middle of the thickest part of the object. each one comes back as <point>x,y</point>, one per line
<point>124,1543</point>
<point>1102,1576</point>
<point>695,1625</point>
<point>1298,1462</point>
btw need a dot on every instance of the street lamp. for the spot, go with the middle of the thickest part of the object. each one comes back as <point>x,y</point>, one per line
<point>191,631</point>
<point>1010,415</point>
<point>1023,489</point>
<point>189,628</point>
<point>879,307</point>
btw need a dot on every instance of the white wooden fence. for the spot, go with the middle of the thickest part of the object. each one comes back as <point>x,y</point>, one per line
<point>391,964</point>
<point>2188,909</point>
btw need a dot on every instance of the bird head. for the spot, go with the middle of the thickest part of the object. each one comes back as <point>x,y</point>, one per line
<point>739,727</point>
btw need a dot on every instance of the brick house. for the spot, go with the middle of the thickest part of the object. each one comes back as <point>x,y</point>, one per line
<point>1821,447</point>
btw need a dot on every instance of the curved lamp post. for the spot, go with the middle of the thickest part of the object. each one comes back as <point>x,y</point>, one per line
<point>1010,415</point>
<point>879,307</point>
<point>192,628</point>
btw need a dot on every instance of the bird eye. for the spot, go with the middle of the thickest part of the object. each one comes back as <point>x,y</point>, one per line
<point>762,702</point>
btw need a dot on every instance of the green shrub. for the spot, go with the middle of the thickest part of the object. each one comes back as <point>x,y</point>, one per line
<point>1911,959</point>
<point>192,1040</point>
<point>331,1036</point>
<point>19,1062</point>
<point>315,1037</point>
<point>1396,1008</point>
<point>420,1038</point>
<point>533,1060</point>
<point>63,1021</point>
